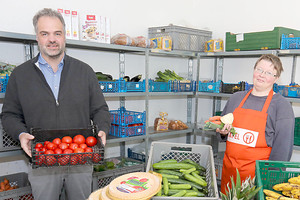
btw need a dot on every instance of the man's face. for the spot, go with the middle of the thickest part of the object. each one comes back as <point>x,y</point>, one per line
<point>50,37</point>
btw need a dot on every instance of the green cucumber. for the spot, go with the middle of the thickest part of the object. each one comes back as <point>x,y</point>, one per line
<point>181,181</point>
<point>187,171</point>
<point>179,194</point>
<point>191,194</point>
<point>169,176</point>
<point>172,166</point>
<point>168,161</point>
<point>192,178</point>
<point>166,185</point>
<point>171,172</point>
<point>198,167</point>
<point>180,186</point>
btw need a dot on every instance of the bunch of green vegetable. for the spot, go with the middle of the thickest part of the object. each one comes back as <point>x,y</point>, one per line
<point>181,179</point>
<point>226,119</point>
<point>168,75</point>
<point>240,191</point>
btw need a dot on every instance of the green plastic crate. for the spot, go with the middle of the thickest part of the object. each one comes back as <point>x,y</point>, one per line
<point>258,40</point>
<point>297,131</point>
<point>269,173</point>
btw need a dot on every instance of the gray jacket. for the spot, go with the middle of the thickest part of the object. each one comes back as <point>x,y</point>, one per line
<point>30,103</point>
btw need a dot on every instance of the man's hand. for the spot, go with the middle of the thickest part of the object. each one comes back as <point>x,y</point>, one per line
<point>102,135</point>
<point>225,130</point>
<point>25,140</point>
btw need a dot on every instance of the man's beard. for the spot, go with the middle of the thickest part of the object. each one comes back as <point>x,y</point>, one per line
<point>51,54</point>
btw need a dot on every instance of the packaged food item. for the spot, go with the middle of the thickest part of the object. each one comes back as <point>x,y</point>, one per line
<point>102,29</point>
<point>177,125</point>
<point>164,43</point>
<point>214,46</point>
<point>107,30</point>
<point>142,41</point>
<point>122,39</point>
<point>75,25</point>
<point>89,27</point>
<point>161,124</point>
<point>67,18</point>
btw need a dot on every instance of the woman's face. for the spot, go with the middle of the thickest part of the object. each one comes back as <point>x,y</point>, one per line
<point>264,76</point>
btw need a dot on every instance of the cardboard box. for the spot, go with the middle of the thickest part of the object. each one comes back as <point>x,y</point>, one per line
<point>89,27</point>
<point>75,25</point>
<point>214,46</point>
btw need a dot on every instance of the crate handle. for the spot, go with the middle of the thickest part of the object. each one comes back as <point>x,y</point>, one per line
<point>161,30</point>
<point>181,148</point>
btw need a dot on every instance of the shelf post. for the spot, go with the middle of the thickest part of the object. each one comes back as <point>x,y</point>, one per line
<point>122,74</point>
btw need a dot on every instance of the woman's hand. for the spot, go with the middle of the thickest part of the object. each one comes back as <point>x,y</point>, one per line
<point>225,130</point>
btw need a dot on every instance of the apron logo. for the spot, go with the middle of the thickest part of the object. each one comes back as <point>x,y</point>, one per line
<point>244,137</point>
<point>248,138</point>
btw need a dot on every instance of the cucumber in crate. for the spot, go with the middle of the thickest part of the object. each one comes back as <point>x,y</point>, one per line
<point>187,169</point>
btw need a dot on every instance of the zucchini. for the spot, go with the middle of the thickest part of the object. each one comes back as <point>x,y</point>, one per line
<point>181,181</point>
<point>169,176</point>
<point>180,186</point>
<point>179,194</point>
<point>195,180</point>
<point>187,171</point>
<point>171,172</point>
<point>172,166</point>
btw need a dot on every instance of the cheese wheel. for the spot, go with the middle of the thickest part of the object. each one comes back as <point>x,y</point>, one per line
<point>133,186</point>
<point>95,195</point>
<point>103,195</point>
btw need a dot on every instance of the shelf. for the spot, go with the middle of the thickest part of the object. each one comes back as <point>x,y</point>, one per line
<point>173,53</point>
<point>200,94</point>
<point>235,54</point>
<point>113,139</point>
<point>157,134</point>
<point>170,93</point>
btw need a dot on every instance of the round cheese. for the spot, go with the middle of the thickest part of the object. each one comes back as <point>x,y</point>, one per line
<point>103,195</point>
<point>95,195</point>
<point>133,186</point>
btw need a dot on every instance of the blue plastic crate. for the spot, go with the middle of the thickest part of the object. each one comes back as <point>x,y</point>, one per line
<point>179,86</point>
<point>135,86</point>
<point>214,87</point>
<point>159,86</point>
<point>124,117</point>
<point>3,83</point>
<point>109,86</point>
<point>127,131</point>
<point>248,86</point>
<point>290,42</point>
<point>292,90</point>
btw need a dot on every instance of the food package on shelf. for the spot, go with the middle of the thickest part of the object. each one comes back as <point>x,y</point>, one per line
<point>122,39</point>
<point>142,41</point>
<point>177,125</point>
<point>161,124</point>
<point>164,43</point>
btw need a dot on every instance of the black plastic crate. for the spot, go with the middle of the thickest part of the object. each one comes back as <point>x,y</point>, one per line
<point>233,87</point>
<point>50,160</point>
<point>102,179</point>
<point>7,143</point>
<point>23,192</point>
<point>135,155</point>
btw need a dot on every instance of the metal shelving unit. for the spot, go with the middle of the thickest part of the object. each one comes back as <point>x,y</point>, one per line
<point>29,41</point>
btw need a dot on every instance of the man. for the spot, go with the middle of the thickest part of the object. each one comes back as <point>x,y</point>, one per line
<point>54,91</point>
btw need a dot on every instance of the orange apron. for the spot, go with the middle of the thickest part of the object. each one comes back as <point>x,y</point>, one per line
<point>248,145</point>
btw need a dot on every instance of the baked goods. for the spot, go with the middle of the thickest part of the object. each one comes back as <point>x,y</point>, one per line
<point>122,39</point>
<point>177,125</point>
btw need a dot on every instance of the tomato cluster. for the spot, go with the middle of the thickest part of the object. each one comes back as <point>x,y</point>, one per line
<point>69,148</point>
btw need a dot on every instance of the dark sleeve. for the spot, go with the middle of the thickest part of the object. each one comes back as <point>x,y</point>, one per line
<point>98,107</point>
<point>12,116</point>
<point>283,139</point>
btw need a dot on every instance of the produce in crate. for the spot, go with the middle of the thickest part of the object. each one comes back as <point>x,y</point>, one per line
<point>181,179</point>
<point>218,122</point>
<point>168,75</point>
<point>245,190</point>
<point>104,77</point>
<point>6,186</point>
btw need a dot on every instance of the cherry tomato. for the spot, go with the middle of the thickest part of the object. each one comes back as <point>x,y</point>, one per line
<point>56,141</point>
<point>45,143</point>
<point>83,146</point>
<point>88,149</point>
<point>79,139</point>
<point>91,141</point>
<point>63,146</point>
<point>78,150</point>
<point>73,146</point>
<point>67,139</point>
<point>44,149</point>
<point>67,151</point>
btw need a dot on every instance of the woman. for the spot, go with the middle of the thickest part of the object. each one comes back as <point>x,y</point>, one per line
<point>263,120</point>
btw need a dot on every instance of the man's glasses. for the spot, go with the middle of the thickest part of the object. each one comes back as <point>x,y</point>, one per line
<point>261,71</point>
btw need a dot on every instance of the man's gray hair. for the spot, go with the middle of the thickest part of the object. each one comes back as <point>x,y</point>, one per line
<point>48,12</point>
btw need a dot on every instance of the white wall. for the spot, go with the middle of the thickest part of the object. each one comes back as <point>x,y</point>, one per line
<point>133,17</point>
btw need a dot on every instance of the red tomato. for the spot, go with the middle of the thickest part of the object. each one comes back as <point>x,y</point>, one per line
<point>79,139</point>
<point>78,150</point>
<point>38,145</point>
<point>67,151</point>
<point>44,149</point>
<point>56,141</point>
<point>74,159</point>
<point>67,139</point>
<point>63,146</point>
<point>91,141</point>
<point>45,143</point>
<point>50,146</point>
<point>73,146</point>
<point>88,149</point>
<point>58,151</point>
<point>40,159</point>
<point>64,160</point>
<point>83,146</point>
<point>50,160</point>
<point>96,158</point>
<point>37,149</point>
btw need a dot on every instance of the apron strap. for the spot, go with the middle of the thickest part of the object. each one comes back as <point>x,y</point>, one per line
<point>267,102</point>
